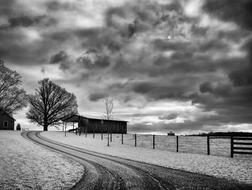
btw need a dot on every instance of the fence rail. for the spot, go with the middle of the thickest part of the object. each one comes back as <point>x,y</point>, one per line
<point>243,147</point>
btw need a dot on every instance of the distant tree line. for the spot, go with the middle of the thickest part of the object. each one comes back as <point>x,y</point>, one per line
<point>223,134</point>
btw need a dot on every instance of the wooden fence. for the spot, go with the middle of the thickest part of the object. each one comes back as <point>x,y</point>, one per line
<point>241,145</point>
<point>206,144</point>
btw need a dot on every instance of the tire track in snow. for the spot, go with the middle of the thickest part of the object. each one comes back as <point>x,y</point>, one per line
<point>95,177</point>
<point>110,174</point>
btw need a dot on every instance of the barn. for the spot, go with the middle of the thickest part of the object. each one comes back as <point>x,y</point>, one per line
<point>93,125</point>
<point>6,121</point>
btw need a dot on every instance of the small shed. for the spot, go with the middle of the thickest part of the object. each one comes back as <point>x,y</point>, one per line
<point>171,133</point>
<point>6,121</point>
<point>93,125</point>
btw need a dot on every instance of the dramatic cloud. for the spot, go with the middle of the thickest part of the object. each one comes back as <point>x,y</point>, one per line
<point>193,56</point>
<point>231,10</point>
<point>59,57</point>
<point>97,96</point>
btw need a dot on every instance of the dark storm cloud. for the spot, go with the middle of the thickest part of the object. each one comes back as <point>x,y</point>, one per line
<point>219,90</point>
<point>233,104</point>
<point>164,66</point>
<point>59,57</point>
<point>207,45</point>
<point>232,101</point>
<point>233,35</point>
<point>15,47</point>
<point>6,7</point>
<point>26,21</point>
<point>157,91</point>
<point>122,23</point>
<point>63,59</point>
<point>161,44</point>
<point>99,61</point>
<point>97,96</point>
<point>189,62</point>
<point>242,76</point>
<point>16,16</point>
<point>57,6</point>
<point>22,36</point>
<point>16,38</point>
<point>144,16</point>
<point>239,12</point>
<point>101,38</point>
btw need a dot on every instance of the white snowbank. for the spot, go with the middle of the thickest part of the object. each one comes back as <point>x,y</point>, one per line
<point>25,165</point>
<point>231,168</point>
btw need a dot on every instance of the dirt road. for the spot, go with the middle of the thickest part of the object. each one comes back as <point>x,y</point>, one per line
<point>108,172</point>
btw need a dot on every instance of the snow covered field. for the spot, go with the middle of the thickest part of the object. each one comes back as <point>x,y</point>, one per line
<point>25,165</point>
<point>238,168</point>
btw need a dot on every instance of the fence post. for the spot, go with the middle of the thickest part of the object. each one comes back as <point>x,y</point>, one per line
<point>208,145</point>
<point>102,135</point>
<point>153,141</point>
<point>93,135</point>
<point>122,138</point>
<point>177,143</point>
<point>232,146</point>
<point>110,137</point>
<point>65,128</point>
<point>135,140</point>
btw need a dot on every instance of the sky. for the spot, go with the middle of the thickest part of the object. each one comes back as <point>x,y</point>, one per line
<point>182,66</point>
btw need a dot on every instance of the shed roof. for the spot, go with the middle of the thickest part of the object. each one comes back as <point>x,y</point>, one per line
<point>75,118</point>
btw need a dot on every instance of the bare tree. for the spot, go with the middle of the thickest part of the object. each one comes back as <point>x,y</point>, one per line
<point>12,97</point>
<point>109,108</point>
<point>50,103</point>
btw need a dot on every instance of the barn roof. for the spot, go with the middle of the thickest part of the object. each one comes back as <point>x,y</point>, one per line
<point>75,118</point>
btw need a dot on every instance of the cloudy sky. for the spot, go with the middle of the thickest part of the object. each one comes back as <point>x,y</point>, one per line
<point>173,65</point>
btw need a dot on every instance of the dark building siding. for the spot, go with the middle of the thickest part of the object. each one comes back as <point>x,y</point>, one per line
<point>88,125</point>
<point>6,118</point>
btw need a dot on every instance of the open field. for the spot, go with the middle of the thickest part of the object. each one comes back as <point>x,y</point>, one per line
<point>25,165</point>
<point>187,144</point>
<point>238,168</point>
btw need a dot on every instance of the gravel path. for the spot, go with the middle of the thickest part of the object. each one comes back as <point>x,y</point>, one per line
<point>116,173</point>
<point>25,165</point>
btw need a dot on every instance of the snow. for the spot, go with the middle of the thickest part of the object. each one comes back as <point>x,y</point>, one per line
<point>25,165</point>
<point>238,168</point>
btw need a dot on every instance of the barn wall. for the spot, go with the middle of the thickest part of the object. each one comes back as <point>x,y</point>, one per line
<point>102,126</point>
<point>5,117</point>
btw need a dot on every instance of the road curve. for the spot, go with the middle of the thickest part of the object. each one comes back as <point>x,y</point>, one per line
<point>109,172</point>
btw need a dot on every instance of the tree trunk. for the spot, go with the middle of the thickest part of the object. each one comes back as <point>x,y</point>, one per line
<point>45,128</point>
